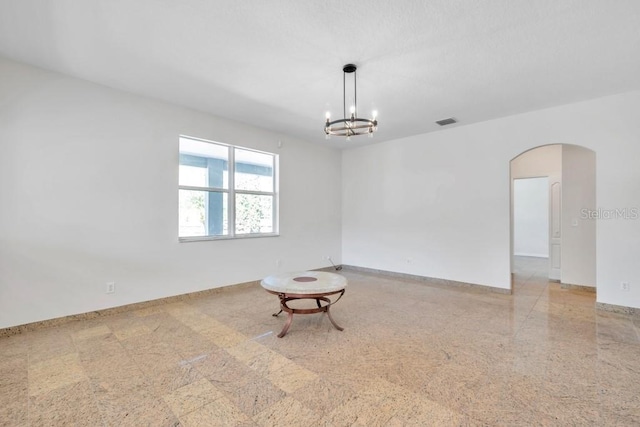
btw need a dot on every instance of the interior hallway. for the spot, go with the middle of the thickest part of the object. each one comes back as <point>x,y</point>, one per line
<point>412,353</point>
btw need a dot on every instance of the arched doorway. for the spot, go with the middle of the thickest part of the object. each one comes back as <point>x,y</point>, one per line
<point>568,172</point>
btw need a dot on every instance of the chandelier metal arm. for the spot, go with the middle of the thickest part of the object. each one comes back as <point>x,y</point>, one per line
<point>350,126</point>
<point>356,119</point>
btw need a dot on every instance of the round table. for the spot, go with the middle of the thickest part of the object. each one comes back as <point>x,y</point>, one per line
<point>314,285</point>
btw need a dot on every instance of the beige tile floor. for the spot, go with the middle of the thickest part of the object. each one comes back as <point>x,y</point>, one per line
<point>410,354</point>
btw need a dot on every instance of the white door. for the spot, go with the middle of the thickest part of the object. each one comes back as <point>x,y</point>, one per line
<point>555,229</point>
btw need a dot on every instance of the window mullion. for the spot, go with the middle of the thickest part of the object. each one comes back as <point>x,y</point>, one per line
<point>275,225</point>
<point>231,204</point>
<point>196,188</point>
<point>255,192</point>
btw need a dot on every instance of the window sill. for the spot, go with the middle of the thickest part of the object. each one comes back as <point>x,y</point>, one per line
<point>237,237</point>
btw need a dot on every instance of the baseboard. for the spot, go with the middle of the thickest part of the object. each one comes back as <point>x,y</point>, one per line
<point>428,280</point>
<point>578,287</point>
<point>19,329</point>
<point>620,309</point>
<point>532,255</point>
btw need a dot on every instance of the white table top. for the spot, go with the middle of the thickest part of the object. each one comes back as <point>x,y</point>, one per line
<point>304,282</point>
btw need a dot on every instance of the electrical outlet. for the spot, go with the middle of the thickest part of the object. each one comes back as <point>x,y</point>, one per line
<point>278,263</point>
<point>624,286</point>
<point>111,287</point>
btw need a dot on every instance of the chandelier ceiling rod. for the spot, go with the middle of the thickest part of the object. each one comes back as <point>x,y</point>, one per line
<point>349,68</point>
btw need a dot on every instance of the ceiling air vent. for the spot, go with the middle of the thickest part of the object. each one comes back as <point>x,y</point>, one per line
<point>445,122</point>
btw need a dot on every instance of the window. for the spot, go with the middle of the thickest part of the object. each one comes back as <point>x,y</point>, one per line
<point>226,191</point>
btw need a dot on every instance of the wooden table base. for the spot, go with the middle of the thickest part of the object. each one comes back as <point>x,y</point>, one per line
<point>322,301</point>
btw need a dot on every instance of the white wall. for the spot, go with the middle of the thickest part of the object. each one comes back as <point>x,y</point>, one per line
<point>88,194</point>
<point>531,217</point>
<point>424,205</point>
<point>541,161</point>
<point>578,232</point>
<point>441,200</point>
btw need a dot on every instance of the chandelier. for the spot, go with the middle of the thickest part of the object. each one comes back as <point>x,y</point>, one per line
<point>352,125</point>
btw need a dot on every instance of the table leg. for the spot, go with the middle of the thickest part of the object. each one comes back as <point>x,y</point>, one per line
<point>333,322</point>
<point>321,308</point>
<point>286,325</point>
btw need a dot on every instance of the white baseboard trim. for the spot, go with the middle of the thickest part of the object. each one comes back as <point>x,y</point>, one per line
<point>531,255</point>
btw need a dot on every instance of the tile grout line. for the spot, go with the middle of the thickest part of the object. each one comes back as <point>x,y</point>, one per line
<point>93,393</point>
<point>532,306</point>
<point>247,339</point>
<point>29,410</point>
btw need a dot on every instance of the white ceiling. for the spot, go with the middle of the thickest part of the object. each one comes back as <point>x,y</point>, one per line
<point>278,64</point>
